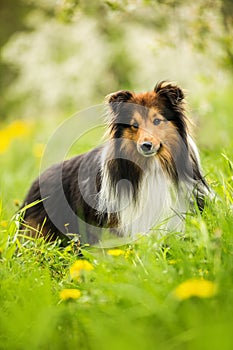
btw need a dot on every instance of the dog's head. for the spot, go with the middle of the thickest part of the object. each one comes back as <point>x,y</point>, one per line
<point>155,121</point>
<point>149,118</point>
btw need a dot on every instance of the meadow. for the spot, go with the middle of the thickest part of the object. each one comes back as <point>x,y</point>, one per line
<point>174,292</point>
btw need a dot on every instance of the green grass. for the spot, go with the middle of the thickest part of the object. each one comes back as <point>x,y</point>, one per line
<point>127,301</point>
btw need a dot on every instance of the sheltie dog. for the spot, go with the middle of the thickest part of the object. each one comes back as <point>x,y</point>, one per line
<point>146,175</point>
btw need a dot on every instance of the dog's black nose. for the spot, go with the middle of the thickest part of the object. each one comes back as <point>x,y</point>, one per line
<point>146,146</point>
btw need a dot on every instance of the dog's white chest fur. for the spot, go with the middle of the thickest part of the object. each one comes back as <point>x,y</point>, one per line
<point>151,206</point>
<point>157,203</point>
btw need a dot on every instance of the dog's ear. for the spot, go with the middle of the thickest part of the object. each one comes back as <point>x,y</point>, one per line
<point>171,92</point>
<point>116,99</point>
<point>119,96</point>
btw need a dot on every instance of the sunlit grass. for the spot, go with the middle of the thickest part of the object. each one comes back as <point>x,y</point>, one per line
<point>172,292</point>
<point>161,290</point>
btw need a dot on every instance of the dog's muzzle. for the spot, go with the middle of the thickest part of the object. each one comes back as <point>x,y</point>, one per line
<point>147,149</point>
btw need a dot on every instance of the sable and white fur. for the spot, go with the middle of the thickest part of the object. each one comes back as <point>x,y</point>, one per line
<point>147,173</point>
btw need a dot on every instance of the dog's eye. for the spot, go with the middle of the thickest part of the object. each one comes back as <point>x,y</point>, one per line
<point>135,125</point>
<point>157,121</point>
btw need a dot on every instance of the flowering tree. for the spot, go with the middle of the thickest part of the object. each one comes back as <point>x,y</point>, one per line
<point>63,56</point>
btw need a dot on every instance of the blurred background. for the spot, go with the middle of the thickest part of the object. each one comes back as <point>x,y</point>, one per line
<point>58,56</point>
<point>61,56</point>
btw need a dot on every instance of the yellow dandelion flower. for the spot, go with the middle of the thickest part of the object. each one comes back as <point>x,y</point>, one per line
<point>18,128</point>
<point>66,294</point>
<point>172,262</point>
<point>4,142</point>
<point>115,252</point>
<point>38,150</point>
<point>129,253</point>
<point>195,288</point>
<point>79,267</point>
<point>14,130</point>
<point>4,223</point>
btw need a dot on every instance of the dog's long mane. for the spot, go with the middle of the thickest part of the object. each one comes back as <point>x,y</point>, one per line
<point>141,192</point>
